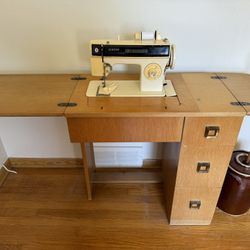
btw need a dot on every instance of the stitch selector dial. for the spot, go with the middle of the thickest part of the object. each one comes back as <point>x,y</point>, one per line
<point>152,71</point>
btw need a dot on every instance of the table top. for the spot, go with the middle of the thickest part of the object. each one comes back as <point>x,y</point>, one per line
<point>198,94</point>
<point>34,95</point>
<point>239,85</point>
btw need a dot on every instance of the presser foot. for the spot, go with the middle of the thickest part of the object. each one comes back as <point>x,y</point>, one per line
<point>98,92</point>
<point>105,90</point>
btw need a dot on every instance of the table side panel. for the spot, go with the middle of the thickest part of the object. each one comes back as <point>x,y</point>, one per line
<point>191,186</point>
<point>170,158</point>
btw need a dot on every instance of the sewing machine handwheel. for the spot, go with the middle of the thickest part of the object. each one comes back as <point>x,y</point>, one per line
<point>172,57</point>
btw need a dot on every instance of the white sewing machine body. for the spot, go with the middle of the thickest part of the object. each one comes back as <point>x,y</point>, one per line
<point>153,57</point>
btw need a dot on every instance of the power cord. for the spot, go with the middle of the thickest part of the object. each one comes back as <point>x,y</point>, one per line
<point>8,170</point>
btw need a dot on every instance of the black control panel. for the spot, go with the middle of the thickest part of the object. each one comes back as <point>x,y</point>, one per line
<point>130,50</point>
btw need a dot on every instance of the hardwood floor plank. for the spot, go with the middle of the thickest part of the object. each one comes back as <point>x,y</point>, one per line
<point>46,209</point>
<point>10,247</point>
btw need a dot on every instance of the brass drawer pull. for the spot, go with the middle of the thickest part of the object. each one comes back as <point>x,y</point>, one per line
<point>203,167</point>
<point>194,204</point>
<point>211,131</point>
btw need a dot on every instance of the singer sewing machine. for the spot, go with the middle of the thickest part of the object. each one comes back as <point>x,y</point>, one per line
<point>154,56</point>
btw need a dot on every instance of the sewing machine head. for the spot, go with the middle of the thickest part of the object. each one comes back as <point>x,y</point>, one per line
<point>154,56</point>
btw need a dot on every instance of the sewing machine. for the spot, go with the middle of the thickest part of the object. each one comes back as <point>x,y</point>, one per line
<point>154,56</point>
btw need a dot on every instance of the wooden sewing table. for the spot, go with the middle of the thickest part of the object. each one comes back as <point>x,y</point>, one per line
<point>199,128</point>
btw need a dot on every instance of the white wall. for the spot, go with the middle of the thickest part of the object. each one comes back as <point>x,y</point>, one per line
<point>37,137</point>
<point>3,155</point>
<point>244,135</point>
<point>52,37</point>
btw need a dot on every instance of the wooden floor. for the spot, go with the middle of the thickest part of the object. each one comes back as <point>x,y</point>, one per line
<point>46,209</point>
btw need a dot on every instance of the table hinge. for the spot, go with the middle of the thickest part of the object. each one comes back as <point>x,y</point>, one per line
<point>218,77</point>
<point>78,78</point>
<point>240,103</point>
<point>67,104</point>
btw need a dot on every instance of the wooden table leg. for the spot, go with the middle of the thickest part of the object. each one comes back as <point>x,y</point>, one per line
<point>88,166</point>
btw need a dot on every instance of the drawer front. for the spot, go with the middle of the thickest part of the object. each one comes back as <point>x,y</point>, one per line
<point>144,129</point>
<point>203,166</point>
<point>211,131</point>
<point>194,206</point>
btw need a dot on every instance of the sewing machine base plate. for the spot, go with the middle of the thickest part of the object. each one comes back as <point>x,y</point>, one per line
<point>130,88</point>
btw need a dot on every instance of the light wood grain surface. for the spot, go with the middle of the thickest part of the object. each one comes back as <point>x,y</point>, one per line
<point>194,131</point>
<point>210,95</point>
<point>182,214</point>
<point>191,185</point>
<point>239,85</point>
<point>34,95</point>
<point>170,161</point>
<point>133,129</point>
<point>46,209</point>
<point>198,95</point>
<point>129,107</point>
<point>218,157</point>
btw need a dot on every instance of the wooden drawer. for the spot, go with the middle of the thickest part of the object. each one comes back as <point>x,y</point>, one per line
<point>195,129</point>
<point>183,214</point>
<point>119,129</point>
<point>203,166</point>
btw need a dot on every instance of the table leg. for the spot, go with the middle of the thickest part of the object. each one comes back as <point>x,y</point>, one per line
<point>88,166</point>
